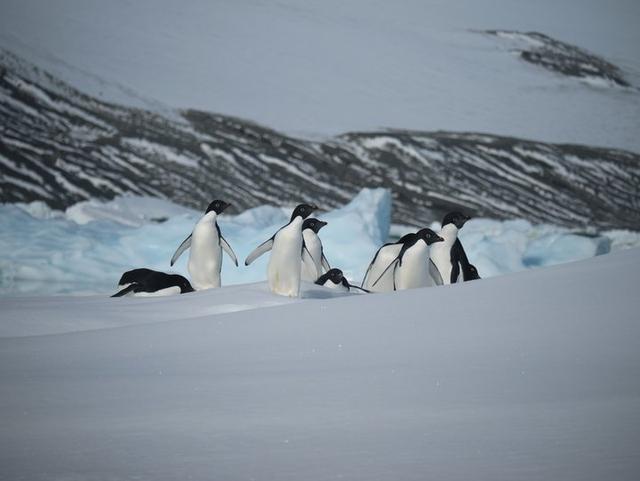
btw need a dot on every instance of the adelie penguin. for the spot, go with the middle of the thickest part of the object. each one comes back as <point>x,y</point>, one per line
<point>287,250</point>
<point>410,268</point>
<point>149,283</point>
<point>335,279</point>
<point>206,244</point>
<point>378,278</point>
<point>312,270</point>
<point>443,256</point>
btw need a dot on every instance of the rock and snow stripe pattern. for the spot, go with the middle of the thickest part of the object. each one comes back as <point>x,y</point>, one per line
<point>61,146</point>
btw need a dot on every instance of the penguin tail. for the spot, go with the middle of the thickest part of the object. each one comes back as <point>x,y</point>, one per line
<point>126,290</point>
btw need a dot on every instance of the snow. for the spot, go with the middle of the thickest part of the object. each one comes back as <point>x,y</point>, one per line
<point>527,376</point>
<point>85,249</point>
<point>321,68</point>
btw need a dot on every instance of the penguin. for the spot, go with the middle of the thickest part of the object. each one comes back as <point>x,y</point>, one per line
<point>334,279</point>
<point>134,275</point>
<point>310,228</point>
<point>287,251</point>
<point>206,243</point>
<point>441,254</point>
<point>410,268</point>
<point>377,273</point>
<point>471,273</point>
<point>460,263</point>
<point>148,283</point>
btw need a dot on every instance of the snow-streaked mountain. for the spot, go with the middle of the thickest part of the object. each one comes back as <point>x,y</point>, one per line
<point>62,146</point>
<point>528,376</point>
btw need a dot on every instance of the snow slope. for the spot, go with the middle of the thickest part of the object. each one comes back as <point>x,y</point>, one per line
<point>327,67</point>
<point>528,376</point>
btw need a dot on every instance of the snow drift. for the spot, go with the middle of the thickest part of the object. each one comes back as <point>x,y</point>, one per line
<point>528,376</point>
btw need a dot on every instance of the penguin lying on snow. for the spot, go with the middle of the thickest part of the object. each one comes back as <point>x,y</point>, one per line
<point>334,279</point>
<point>149,283</point>
<point>410,268</point>
<point>442,255</point>
<point>287,251</point>
<point>311,271</point>
<point>206,243</point>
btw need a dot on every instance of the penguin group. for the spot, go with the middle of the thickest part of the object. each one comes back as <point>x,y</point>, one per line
<point>419,259</point>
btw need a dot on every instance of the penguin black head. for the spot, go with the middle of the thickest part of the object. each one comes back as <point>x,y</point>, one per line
<point>314,224</point>
<point>335,275</point>
<point>429,236</point>
<point>456,218</point>
<point>473,272</point>
<point>217,206</point>
<point>303,210</point>
<point>182,283</point>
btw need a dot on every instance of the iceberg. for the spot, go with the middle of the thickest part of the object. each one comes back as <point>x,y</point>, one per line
<point>86,248</point>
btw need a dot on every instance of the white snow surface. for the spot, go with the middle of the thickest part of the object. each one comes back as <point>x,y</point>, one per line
<point>330,66</point>
<point>528,376</point>
<point>86,249</point>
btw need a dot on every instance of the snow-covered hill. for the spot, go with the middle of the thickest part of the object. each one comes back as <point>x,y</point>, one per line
<point>528,376</point>
<point>61,146</point>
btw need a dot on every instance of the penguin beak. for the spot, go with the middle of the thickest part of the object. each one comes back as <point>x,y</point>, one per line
<point>439,239</point>
<point>225,207</point>
<point>321,224</point>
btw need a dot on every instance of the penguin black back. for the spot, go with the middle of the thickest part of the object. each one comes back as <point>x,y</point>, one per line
<point>135,275</point>
<point>156,281</point>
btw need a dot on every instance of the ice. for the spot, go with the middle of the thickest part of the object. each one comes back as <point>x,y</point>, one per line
<point>85,249</point>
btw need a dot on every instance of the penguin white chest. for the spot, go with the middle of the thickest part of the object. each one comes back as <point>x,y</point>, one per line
<point>285,262</point>
<point>414,271</point>
<point>205,256</point>
<point>312,270</point>
<point>167,291</point>
<point>339,286</point>
<point>440,252</point>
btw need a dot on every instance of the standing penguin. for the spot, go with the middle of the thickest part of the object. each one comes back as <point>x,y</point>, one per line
<point>287,250</point>
<point>148,283</point>
<point>335,279</point>
<point>410,268</point>
<point>378,278</point>
<point>206,243</point>
<point>441,254</point>
<point>311,271</point>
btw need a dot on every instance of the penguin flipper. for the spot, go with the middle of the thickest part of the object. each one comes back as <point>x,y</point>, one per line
<point>227,248</point>
<point>393,264</point>
<point>258,251</point>
<point>306,255</point>
<point>351,286</point>
<point>435,273</point>
<point>126,290</point>
<point>325,263</point>
<point>183,247</point>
